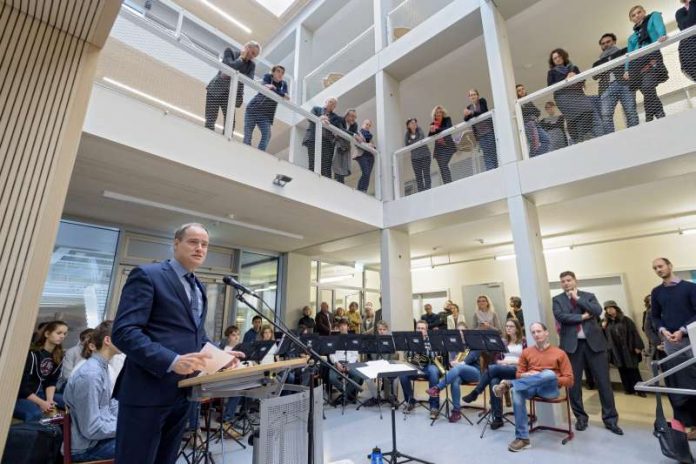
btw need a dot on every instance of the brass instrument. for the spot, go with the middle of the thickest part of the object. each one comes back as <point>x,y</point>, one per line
<point>461,356</point>
<point>437,361</point>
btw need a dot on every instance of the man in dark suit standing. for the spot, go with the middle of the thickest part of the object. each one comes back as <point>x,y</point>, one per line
<point>159,326</point>
<point>323,320</point>
<point>582,339</point>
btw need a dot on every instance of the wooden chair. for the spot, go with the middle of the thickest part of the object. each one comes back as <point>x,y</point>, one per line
<point>569,434</point>
<point>67,438</point>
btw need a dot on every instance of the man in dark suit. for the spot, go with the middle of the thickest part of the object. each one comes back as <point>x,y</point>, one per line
<point>582,339</point>
<point>159,326</point>
<point>328,117</point>
<point>323,320</point>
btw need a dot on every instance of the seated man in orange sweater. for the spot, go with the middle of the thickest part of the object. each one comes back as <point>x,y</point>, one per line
<point>541,370</point>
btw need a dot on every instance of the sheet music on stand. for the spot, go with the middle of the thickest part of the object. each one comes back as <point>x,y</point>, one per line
<point>373,369</point>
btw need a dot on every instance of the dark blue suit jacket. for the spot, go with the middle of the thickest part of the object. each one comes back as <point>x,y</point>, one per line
<point>154,323</point>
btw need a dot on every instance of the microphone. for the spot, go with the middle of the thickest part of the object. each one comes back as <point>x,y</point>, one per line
<point>229,280</point>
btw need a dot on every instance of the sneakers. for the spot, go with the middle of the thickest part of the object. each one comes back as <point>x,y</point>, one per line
<point>409,407</point>
<point>497,423</point>
<point>502,388</point>
<point>519,444</point>
<point>434,413</point>
<point>434,392</point>
<point>470,398</point>
<point>455,416</point>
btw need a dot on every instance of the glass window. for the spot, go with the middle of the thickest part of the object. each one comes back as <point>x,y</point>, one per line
<point>372,279</point>
<point>313,272</point>
<point>260,273</point>
<point>344,297</point>
<point>372,297</point>
<point>313,299</point>
<point>77,286</point>
<point>340,276</point>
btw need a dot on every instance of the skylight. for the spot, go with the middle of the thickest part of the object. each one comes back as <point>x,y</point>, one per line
<point>277,7</point>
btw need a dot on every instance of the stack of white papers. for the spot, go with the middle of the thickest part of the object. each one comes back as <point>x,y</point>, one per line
<point>374,368</point>
<point>217,361</point>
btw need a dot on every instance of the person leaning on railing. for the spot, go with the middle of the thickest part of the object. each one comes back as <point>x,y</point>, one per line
<point>584,120</point>
<point>483,130</point>
<point>686,17</point>
<point>647,72</point>
<point>218,90</point>
<point>537,138</point>
<point>342,147</point>
<point>365,159</point>
<point>420,157</point>
<point>327,116</point>
<point>261,110</point>
<point>444,146</point>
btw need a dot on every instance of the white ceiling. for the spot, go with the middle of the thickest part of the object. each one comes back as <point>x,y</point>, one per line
<point>104,166</point>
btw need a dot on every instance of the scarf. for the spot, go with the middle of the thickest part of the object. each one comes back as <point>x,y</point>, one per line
<point>642,31</point>
<point>609,51</point>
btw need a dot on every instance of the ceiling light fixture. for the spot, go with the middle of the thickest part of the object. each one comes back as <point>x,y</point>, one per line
<point>551,251</point>
<point>189,212</point>
<point>225,15</point>
<point>337,278</point>
<point>687,231</point>
<point>505,257</point>
<point>160,102</point>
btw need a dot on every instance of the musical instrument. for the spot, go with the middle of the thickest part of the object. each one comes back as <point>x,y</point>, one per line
<point>438,363</point>
<point>461,356</point>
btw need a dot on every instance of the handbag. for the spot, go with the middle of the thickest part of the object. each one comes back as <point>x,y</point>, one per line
<point>673,443</point>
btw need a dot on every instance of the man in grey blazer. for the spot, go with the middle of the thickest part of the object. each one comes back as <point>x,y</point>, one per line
<point>582,339</point>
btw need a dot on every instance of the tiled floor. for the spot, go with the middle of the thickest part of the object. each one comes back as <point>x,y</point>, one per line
<point>350,437</point>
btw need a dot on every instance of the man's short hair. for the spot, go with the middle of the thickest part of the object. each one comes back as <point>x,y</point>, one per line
<point>342,321</point>
<point>667,261</point>
<point>611,35</point>
<point>382,323</point>
<point>543,326</point>
<point>422,322</point>
<point>566,274</point>
<point>101,331</point>
<point>254,44</point>
<point>277,67</point>
<point>519,85</point>
<point>230,330</point>
<point>180,233</point>
<point>256,318</point>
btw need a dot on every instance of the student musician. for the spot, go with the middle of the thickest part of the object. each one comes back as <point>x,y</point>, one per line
<point>426,363</point>
<point>341,359</point>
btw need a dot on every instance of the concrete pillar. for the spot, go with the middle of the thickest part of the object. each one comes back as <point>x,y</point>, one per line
<point>381,8</point>
<point>389,125</point>
<point>294,287</point>
<point>503,83</point>
<point>303,57</point>
<point>395,277</point>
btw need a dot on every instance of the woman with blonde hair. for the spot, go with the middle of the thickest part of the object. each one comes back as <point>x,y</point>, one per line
<point>444,147</point>
<point>485,316</point>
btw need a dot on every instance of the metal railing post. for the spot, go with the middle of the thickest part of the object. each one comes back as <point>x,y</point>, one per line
<point>317,147</point>
<point>522,131</point>
<point>395,174</point>
<point>231,102</point>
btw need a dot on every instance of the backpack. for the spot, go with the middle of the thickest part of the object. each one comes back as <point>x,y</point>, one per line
<point>33,443</point>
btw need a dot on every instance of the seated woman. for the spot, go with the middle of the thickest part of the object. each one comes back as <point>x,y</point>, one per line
<point>93,413</point>
<point>37,390</point>
<point>465,371</point>
<point>267,335</point>
<point>503,369</point>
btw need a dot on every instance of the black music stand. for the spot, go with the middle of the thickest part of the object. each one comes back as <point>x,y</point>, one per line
<point>443,342</point>
<point>411,341</point>
<point>345,343</point>
<point>490,341</point>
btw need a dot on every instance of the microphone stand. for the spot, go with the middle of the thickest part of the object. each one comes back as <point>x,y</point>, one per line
<point>314,356</point>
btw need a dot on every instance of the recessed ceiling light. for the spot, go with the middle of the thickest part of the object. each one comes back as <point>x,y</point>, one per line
<point>225,15</point>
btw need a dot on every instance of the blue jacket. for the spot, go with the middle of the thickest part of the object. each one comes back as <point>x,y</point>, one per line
<point>263,105</point>
<point>154,324</point>
<point>656,29</point>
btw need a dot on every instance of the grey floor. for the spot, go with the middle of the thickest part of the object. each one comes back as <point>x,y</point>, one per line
<point>350,437</point>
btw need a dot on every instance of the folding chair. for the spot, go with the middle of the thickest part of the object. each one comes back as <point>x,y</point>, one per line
<point>67,455</point>
<point>533,417</point>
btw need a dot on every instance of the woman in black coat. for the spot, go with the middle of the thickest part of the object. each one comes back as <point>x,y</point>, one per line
<point>444,147</point>
<point>420,157</point>
<point>686,17</point>
<point>483,131</point>
<point>625,346</point>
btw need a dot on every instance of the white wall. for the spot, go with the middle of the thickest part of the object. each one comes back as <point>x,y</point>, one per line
<point>630,258</point>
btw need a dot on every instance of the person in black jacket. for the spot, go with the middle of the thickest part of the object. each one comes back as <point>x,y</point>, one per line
<point>261,110</point>
<point>483,131</point>
<point>444,146</point>
<point>686,17</point>
<point>584,120</point>
<point>218,89</point>
<point>306,321</point>
<point>37,390</point>
<point>420,157</point>
<point>625,346</point>
<point>328,117</point>
<point>342,160</point>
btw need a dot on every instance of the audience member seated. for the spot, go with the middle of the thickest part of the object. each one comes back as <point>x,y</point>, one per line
<point>268,335</point>
<point>554,125</point>
<point>584,121</point>
<point>424,362</point>
<point>515,311</point>
<point>93,412</point>
<point>328,117</point>
<point>341,359</point>
<point>542,369</point>
<point>485,317</point>
<point>72,356</point>
<point>307,321</point>
<point>218,89</point>
<point>420,157</point>
<point>232,337</point>
<point>444,146</point>
<point>456,318</point>
<point>354,318</point>
<point>504,368</point>
<point>432,319</point>
<point>115,363</point>
<point>483,131</point>
<point>382,328</point>
<point>686,17</point>
<point>324,320</point>
<point>466,371</point>
<point>647,72</point>
<point>613,86</point>
<point>37,391</point>
<point>253,333</point>
<point>260,111</point>
<point>365,159</point>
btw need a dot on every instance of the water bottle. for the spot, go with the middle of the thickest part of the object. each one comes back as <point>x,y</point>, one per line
<point>376,456</point>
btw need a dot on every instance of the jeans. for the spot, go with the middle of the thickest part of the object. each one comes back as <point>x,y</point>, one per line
<point>618,92</point>
<point>351,391</point>
<point>28,411</point>
<point>543,384</point>
<point>651,101</point>
<point>489,149</point>
<point>366,162</point>
<point>461,373</point>
<point>253,119</point>
<point>421,168</point>
<point>432,374</point>
<point>104,449</point>
<point>492,377</point>
<point>231,408</point>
